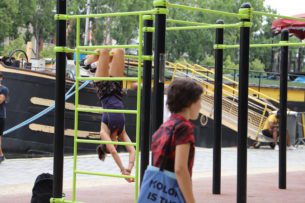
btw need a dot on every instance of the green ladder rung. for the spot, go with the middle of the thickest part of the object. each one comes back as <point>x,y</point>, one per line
<point>62,200</point>
<point>108,78</point>
<point>105,142</point>
<point>103,174</point>
<point>107,47</point>
<point>100,110</point>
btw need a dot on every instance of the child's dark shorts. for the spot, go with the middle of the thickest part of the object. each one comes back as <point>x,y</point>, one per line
<point>114,121</point>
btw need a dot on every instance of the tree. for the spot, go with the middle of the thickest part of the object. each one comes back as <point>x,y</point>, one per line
<point>229,65</point>
<point>43,23</point>
<point>257,68</point>
<point>121,29</point>
<point>209,61</point>
<point>13,45</point>
<point>197,44</point>
<point>8,11</point>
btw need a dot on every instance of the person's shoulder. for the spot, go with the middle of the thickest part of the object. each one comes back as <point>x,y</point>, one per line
<point>4,89</point>
<point>184,128</point>
<point>161,129</point>
<point>273,117</point>
<point>185,124</point>
<point>184,133</point>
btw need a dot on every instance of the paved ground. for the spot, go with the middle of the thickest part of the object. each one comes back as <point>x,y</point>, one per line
<point>18,176</point>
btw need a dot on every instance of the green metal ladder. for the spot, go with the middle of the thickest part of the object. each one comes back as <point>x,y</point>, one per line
<point>90,50</point>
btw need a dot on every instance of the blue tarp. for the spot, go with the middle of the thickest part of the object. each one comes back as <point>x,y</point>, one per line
<point>81,56</point>
<point>300,79</point>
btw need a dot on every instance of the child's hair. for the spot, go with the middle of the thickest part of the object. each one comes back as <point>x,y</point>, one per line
<point>101,151</point>
<point>182,93</point>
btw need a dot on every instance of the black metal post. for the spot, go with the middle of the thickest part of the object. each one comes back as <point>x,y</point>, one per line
<point>259,83</point>
<point>59,102</point>
<point>283,111</point>
<point>272,55</point>
<point>299,60</point>
<point>159,66</point>
<point>145,113</point>
<point>217,111</point>
<point>243,111</point>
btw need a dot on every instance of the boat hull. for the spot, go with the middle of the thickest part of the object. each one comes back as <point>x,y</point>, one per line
<point>30,93</point>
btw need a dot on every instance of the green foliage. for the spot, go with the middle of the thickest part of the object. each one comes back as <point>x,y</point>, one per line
<point>48,52</point>
<point>8,11</point>
<point>199,43</point>
<point>121,29</point>
<point>13,45</point>
<point>229,65</point>
<point>209,60</point>
<point>42,20</point>
<point>195,46</point>
<point>258,67</point>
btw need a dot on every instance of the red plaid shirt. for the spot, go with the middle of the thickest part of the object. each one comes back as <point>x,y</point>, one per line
<point>183,134</point>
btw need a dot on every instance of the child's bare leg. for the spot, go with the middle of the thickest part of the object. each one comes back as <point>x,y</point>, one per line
<point>117,63</point>
<point>1,152</point>
<point>288,142</point>
<point>103,64</point>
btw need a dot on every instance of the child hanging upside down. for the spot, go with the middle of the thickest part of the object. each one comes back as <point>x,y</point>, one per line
<point>110,95</point>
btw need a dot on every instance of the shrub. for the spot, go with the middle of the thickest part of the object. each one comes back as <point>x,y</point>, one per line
<point>13,45</point>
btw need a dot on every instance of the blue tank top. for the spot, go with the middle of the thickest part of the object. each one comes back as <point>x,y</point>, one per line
<point>3,90</point>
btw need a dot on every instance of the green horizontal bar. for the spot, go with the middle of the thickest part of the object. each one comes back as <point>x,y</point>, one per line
<point>103,174</point>
<point>203,10</point>
<point>68,50</point>
<point>108,78</point>
<point>105,142</point>
<point>101,15</point>
<point>131,56</point>
<point>148,29</point>
<point>220,46</point>
<point>100,110</point>
<point>62,200</point>
<point>278,16</point>
<point>63,49</point>
<point>160,3</point>
<point>148,17</point>
<point>61,17</point>
<point>184,22</point>
<point>160,11</point>
<point>237,25</point>
<point>106,47</point>
<point>147,58</point>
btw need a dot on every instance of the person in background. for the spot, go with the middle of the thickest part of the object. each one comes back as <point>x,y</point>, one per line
<point>184,103</point>
<point>271,130</point>
<point>3,100</point>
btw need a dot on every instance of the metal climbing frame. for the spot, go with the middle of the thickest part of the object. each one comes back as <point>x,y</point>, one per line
<point>89,50</point>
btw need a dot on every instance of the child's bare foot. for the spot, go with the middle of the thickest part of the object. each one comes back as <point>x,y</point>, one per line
<point>128,172</point>
<point>91,58</point>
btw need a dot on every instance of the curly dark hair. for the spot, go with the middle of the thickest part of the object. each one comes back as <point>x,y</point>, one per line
<point>182,93</point>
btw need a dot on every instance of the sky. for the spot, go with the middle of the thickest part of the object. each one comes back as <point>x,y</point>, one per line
<point>287,7</point>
